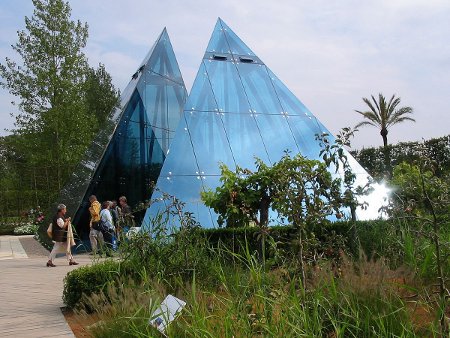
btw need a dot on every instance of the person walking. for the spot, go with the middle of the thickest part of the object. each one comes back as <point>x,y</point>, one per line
<point>95,235</point>
<point>62,235</point>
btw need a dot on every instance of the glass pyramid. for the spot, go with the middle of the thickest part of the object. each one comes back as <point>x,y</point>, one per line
<point>237,110</point>
<point>128,153</point>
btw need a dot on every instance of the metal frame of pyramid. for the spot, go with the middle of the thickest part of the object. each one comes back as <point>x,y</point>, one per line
<point>127,154</point>
<point>237,110</point>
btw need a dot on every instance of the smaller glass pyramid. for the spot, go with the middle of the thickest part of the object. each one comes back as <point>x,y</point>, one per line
<point>128,153</point>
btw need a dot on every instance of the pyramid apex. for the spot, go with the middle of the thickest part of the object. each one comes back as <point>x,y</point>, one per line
<point>224,40</point>
<point>164,34</point>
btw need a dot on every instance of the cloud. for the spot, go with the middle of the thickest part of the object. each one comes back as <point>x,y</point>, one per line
<point>330,54</point>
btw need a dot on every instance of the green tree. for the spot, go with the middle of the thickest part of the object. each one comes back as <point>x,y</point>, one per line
<point>243,196</point>
<point>301,190</point>
<point>61,100</point>
<point>49,84</point>
<point>383,114</point>
<point>423,197</point>
<point>100,95</point>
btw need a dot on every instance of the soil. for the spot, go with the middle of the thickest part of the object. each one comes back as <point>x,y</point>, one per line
<point>78,323</point>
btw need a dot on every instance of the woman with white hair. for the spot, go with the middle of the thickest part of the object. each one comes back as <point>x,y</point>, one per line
<point>59,232</point>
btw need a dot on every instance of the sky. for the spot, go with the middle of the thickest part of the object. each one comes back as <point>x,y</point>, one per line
<point>330,54</point>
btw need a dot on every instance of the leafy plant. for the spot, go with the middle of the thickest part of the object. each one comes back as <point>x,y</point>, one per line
<point>425,198</point>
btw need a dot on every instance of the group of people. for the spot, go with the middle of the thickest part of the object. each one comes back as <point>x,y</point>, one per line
<point>106,222</point>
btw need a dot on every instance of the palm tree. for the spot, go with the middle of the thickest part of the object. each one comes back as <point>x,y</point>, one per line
<point>383,115</point>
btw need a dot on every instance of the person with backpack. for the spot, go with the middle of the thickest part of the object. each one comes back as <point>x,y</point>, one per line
<point>106,225</point>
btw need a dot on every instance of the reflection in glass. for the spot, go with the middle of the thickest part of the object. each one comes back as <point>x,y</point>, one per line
<point>259,89</point>
<point>227,86</point>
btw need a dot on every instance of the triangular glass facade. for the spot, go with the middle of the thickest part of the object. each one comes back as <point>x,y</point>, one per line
<point>237,110</point>
<point>128,154</point>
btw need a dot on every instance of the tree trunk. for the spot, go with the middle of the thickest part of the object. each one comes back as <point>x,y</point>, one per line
<point>387,155</point>
<point>443,292</point>
<point>263,222</point>
<point>302,263</point>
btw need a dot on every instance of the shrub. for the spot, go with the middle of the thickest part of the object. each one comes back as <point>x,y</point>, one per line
<point>26,229</point>
<point>88,280</point>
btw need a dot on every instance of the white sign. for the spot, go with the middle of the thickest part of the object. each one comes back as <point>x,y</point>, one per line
<point>166,312</point>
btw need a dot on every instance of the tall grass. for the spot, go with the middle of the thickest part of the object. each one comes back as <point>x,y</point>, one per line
<point>232,295</point>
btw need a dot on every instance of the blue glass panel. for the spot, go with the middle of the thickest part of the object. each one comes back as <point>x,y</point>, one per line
<point>259,88</point>
<point>187,189</point>
<point>155,153</point>
<point>277,135</point>
<point>210,141</point>
<point>201,213</point>
<point>202,97</point>
<point>218,42</point>
<point>183,161</point>
<point>291,105</point>
<point>211,182</point>
<point>245,139</point>
<point>305,129</point>
<point>176,97</point>
<point>163,61</point>
<point>154,101</point>
<point>236,44</point>
<point>227,86</point>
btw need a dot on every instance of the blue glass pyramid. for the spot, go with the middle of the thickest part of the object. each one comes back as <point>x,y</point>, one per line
<point>237,110</point>
<point>128,153</point>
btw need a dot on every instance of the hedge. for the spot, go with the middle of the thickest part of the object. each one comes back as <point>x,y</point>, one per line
<point>438,149</point>
<point>372,235</point>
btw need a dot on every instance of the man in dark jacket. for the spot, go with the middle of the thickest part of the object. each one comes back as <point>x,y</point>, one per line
<point>59,236</point>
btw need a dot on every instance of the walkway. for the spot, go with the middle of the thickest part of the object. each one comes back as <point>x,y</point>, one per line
<point>31,293</point>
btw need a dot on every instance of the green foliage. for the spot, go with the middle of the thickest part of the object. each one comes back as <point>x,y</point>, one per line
<point>299,189</point>
<point>424,198</point>
<point>169,259</point>
<point>438,149</point>
<point>243,195</point>
<point>61,101</point>
<point>100,96</point>
<point>87,280</point>
<point>419,190</point>
<point>7,228</point>
<point>229,292</point>
<point>246,301</point>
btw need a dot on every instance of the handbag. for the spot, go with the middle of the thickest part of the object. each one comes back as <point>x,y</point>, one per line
<point>50,230</point>
<point>105,226</point>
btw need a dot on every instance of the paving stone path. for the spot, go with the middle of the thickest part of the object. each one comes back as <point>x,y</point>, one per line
<point>31,293</point>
